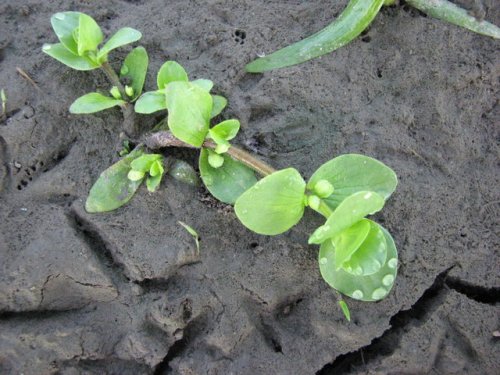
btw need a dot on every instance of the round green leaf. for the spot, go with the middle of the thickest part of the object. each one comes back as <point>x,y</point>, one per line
<point>65,56</point>
<point>184,172</point>
<point>229,181</point>
<point>352,173</point>
<point>349,240</point>
<point>189,108</point>
<point>93,102</point>
<point>351,210</point>
<point>134,68</point>
<point>226,130</point>
<point>151,101</point>
<point>372,287</point>
<point>370,255</point>
<point>113,188</point>
<point>215,160</point>
<point>64,23</point>
<point>171,71</point>
<point>274,204</point>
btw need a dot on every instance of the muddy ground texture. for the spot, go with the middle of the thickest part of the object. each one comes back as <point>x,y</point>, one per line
<point>125,292</point>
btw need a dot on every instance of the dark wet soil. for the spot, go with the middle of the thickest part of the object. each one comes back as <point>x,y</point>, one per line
<point>126,293</point>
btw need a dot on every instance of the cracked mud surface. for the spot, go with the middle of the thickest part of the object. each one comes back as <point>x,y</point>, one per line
<point>126,292</point>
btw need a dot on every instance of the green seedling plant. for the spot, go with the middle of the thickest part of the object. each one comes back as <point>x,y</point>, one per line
<point>357,256</point>
<point>3,99</point>
<point>355,18</point>
<point>79,39</point>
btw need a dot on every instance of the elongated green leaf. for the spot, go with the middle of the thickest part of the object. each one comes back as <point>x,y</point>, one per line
<point>113,188</point>
<point>171,71</point>
<point>193,233</point>
<point>372,287</point>
<point>62,54</point>
<point>352,21</point>
<point>350,211</point>
<point>352,173</point>
<point>219,103</point>
<point>370,255</point>
<point>93,102</point>
<point>229,181</point>
<point>349,240</point>
<point>122,37</point>
<point>136,67</point>
<point>449,12</point>
<point>89,34</point>
<point>205,84</point>
<point>64,24</point>
<point>345,310</point>
<point>225,131</point>
<point>189,108</point>
<point>274,204</point>
<point>150,102</point>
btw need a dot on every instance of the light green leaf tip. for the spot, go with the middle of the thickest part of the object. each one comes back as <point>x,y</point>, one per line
<point>93,102</point>
<point>193,233</point>
<point>345,310</point>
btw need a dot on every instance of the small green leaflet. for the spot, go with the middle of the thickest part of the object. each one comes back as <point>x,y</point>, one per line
<point>171,71</point>
<point>113,188</point>
<point>136,66</point>
<point>63,55</point>
<point>345,310</point>
<point>351,210</point>
<point>274,204</point>
<point>93,102</point>
<point>349,240</point>
<point>150,102</point>
<point>193,233</point>
<point>205,84</point>
<point>122,37</point>
<point>64,23</point>
<point>219,103</point>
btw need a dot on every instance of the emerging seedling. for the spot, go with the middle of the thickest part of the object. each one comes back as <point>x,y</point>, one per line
<point>80,37</point>
<point>3,99</point>
<point>356,17</point>
<point>193,233</point>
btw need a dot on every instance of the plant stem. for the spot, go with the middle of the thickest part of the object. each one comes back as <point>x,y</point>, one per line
<point>447,11</point>
<point>167,139</point>
<point>323,209</point>
<point>113,78</point>
<point>129,123</point>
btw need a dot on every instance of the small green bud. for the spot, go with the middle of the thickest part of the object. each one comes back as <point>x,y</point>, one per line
<point>134,175</point>
<point>323,188</point>
<point>115,92</point>
<point>129,91</point>
<point>215,160</point>
<point>313,201</point>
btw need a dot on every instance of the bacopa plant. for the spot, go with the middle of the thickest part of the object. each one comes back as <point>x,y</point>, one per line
<point>357,256</point>
<point>355,18</point>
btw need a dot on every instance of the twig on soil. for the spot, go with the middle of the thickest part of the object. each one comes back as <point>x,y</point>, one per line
<point>25,75</point>
<point>166,139</point>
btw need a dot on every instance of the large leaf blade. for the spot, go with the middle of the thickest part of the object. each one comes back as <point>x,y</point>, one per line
<point>151,101</point>
<point>189,108</point>
<point>352,173</point>
<point>274,204</point>
<point>89,34</point>
<point>227,182</point>
<point>93,102</point>
<point>113,188</point>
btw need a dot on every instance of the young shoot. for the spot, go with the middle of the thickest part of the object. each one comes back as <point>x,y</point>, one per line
<point>357,256</point>
<point>355,18</point>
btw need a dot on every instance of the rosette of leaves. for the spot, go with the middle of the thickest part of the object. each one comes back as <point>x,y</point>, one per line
<point>357,256</point>
<point>80,37</point>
